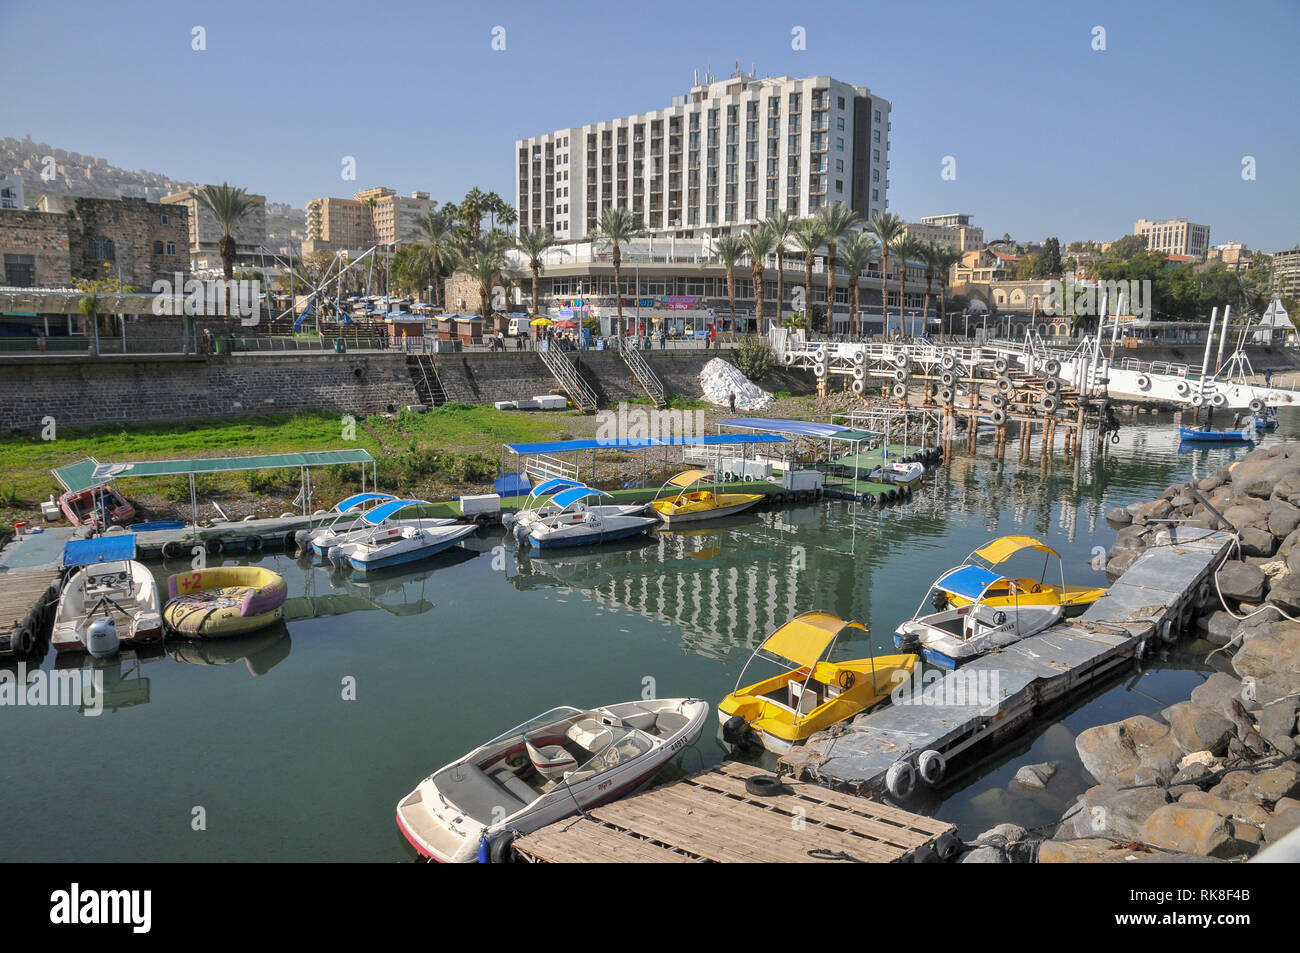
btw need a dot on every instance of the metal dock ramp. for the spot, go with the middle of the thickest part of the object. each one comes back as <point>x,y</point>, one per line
<point>709,817</point>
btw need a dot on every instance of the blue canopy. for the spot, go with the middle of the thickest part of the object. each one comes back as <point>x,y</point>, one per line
<point>512,484</point>
<point>101,549</point>
<point>642,443</point>
<point>969,582</point>
<point>385,510</point>
<point>574,494</point>
<point>553,486</point>
<point>799,428</point>
<point>352,502</point>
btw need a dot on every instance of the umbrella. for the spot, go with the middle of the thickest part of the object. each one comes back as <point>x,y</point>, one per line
<point>566,324</point>
<point>543,321</point>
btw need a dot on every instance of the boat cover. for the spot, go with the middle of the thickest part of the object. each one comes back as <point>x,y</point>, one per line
<point>385,510</point>
<point>969,582</point>
<point>1000,550</point>
<point>101,549</point>
<point>644,443</point>
<point>804,638</point>
<point>554,485</point>
<point>352,502</point>
<point>574,494</point>
<point>689,477</point>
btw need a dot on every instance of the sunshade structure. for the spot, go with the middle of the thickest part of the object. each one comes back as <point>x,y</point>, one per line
<point>112,547</point>
<point>360,499</point>
<point>1000,550</point>
<point>969,582</point>
<point>386,510</point>
<point>541,321</point>
<point>567,498</point>
<point>689,478</point>
<point>844,445</point>
<point>90,473</point>
<point>803,640</point>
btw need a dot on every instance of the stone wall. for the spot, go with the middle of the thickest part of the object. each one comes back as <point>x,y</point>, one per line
<point>44,237</point>
<point>80,391</point>
<point>133,225</point>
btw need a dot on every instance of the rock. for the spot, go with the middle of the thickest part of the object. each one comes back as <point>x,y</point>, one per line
<point>1035,776</point>
<point>1159,761</point>
<point>1260,483</point>
<point>1252,813</point>
<point>1205,759</point>
<point>1216,692</point>
<point>984,855</point>
<point>1285,594</point>
<point>1269,688</point>
<point>1257,542</point>
<point>1292,560</point>
<point>1198,729</point>
<point>1242,516</point>
<point>1182,502</point>
<point>1269,653</point>
<point>1118,516</point>
<point>1130,537</point>
<point>1211,482</point>
<point>1112,753</point>
<point>1007,832</point>
<point>1270,786</point>
<point>1107,811</point>
<point>1288,488</point>
<point>1240,582</point>
<point>1233,786</point>
<point>1123,562</point>
<point>1289,544</point>
<point>1248,837</point>
<point>1155,510</point>
<point>1093,850</point>
<point>1280,824</point>
<point>1190,830</point>
<point>1277,725</point>
<point>1286,804</point>
<point>1283,519</point>
<point>1252,742</point>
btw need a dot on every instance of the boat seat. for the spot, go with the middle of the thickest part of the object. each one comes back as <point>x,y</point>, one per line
<point>551,761</point>
<point>668,723</point>
<point>470,789</point>
<point>643,719</point>
<point>803,698</point>
<point>590,734</point>
<point>514,784</point>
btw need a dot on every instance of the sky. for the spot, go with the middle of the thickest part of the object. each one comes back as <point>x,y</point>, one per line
<point>1049,135</point>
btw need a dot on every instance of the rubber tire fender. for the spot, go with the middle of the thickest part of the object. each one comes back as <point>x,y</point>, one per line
<point>900,780</point>
<point>766,785</point>
<point>931,766</point>
<point>1143,382</point>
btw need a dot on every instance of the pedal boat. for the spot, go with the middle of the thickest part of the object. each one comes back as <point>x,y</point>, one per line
<point>909,475</point>
<point>552,766</point>
<point>812,692</point>
<point>541,505</point>
<point>691,504</point>
<point>382,525</point>
<point>1027,590</point>
<point>577,524</point>
<point>347,518</point>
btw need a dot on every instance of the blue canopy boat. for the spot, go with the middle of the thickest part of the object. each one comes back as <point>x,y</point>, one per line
<point>1217,436</point>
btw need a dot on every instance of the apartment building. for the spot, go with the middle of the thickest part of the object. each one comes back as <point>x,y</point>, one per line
<point>1286,274</point>
<point>955,230</point>
<point>205,233</point>
<point>1175,236</point>
<point>726,155</point>
<point>373,216</point>
<point>11,191</point>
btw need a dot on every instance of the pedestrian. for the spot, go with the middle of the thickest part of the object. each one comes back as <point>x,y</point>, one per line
<point>501,340</point>
<point>1268,378</point>
<point>519,342</point>
<point>731,401</point>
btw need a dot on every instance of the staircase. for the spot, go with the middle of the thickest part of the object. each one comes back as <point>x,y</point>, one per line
<point>641,369</point>
<point>569,379</point>
<point>424,375</point>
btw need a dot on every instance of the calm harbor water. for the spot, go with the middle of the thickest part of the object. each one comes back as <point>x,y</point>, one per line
<point>256,738</point>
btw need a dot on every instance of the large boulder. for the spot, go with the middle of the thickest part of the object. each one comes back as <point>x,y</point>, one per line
<point>1272,785</point>
<point>1284,592</point>
<point>1241,515</point>
<point>1215,693</point>
<point>1118,516</point>
<point>1257,542</point>
<point>1276,651</point>
<point>1242,810</point>
<point>1281,824</point>
<point>1106,811</point>
<point>1121,563</point>
<point>1112,753</point>
<point>1198,729</point>
<point>1189,830</point>
<point>1277,724</point>
<point>1283,518</point>
<point>1241,582</point>
<point>1036,776</point>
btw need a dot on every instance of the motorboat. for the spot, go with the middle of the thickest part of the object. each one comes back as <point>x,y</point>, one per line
<point>557,764</point>
<point>898,474</point>
<point>692,502</point>
<point>1074,598</point>
<point>950,635</point>
<point>347,518</point>
<point>541,505</point>
<point>380,525</point>
<point>577,524</point>
<point>1203,435</point>
<point>98,507</point>
<point>811,692</point>
<point>108,600</point>
<point>406,544</point>
<point>1266,419</point>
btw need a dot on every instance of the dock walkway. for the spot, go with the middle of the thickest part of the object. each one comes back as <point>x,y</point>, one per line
<point>710,817</point>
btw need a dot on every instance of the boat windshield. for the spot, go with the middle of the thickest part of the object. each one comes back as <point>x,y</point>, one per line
<point>557,718</point>
<point>620,746</point>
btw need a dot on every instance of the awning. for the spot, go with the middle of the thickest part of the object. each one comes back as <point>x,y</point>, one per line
<point>969,582</point>
<point>102,549</point>
<point>1003,549</point>
<point>385,510</point>
<point>798,428</point>
<point>104,472</point>
<point>688,477</point>
<point>554,485</point>
<point>803,639</point>
<point>77,477</point>
<point>642,443</point>
<point>352,502</point>
<point>574,494</point>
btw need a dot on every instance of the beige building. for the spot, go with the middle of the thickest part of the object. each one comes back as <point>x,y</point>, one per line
<point>955,230</point>
<point>1235,255</point>
<point>373,216</point>
<point>1175,236</point>
<point>205,233</point>
<point>1286,273</point>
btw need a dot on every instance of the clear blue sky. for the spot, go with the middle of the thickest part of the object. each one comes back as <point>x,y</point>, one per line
<point>1050,137</point>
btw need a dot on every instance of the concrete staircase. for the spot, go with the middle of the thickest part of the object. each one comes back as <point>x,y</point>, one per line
<point>577,389</point>
<point>644,374</point>
<point>424,375</point>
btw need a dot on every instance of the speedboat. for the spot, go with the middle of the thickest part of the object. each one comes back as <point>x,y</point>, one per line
<point>691,504</point>
<point>561,762</point>
<point>811,692</point>
<point>347,519</point>
<point>98,507</point>
<point>951,635</point>
<point>576,524</point>
<point>1266,420</point>
<point>898,474</point>
<point>382,525</point>
<point>1023,590</point>
<point>109,599</point>
<point>1202,435</point>
<point>541,504</point>
<point>406,545</point>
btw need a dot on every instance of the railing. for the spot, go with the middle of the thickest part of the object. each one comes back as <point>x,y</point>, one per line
<point>542,467</point>
<point>641,369</point>
<point>569,379</point>
<point>433,390</point>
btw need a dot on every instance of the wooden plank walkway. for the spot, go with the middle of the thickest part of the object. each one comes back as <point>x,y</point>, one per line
<point>709,817</point>
<point>21,597</point>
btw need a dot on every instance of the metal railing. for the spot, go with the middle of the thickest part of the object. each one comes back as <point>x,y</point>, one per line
<point>649,381</point>
<point>542,467</point>
<point>569,379</point>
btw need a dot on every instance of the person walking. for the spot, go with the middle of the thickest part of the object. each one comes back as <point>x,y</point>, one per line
<point>1268,378</point>
<point>731,401</point>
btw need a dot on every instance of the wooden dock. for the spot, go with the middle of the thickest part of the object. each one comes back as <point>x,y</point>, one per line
<point>710,817</point>
<point>28,600</point>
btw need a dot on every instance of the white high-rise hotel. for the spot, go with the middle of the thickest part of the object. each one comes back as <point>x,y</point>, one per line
<point>729,153</point>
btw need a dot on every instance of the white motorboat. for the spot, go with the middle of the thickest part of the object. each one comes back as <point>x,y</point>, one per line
<point>347,518</point>
<point>577,524</point>
<point>898,474</point>
<point>383,525</point>
<point>563,761</point>
<point>541,504</point>
<point>408,544</point>
<point>109,599</point>
<point>976,610</point>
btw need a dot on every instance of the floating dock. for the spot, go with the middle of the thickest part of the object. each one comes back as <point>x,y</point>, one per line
<point>996,695</point>
<point>710,817</point>
<point>28,601</point>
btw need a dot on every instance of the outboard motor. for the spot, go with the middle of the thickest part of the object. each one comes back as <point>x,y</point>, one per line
<point>101,637</point>
<point>737,733</point>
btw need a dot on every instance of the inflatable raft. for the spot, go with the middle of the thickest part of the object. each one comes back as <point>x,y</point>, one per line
<point>229,600</point>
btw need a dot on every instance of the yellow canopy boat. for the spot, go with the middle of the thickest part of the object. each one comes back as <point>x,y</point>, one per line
<point>691,504</point>
<point>1021,591</point>
<point>814,693</point>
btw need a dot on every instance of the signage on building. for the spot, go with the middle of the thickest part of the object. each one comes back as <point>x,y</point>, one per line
<point>638,302</point>
<point>572,304</point>
<point>681,304</point>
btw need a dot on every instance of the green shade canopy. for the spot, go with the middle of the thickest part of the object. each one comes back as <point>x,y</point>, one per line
<point>91,473</point>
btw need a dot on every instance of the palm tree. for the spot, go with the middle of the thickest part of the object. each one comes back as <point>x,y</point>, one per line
<point>485,266</point>
<point>534,243</point>
<point>728,249</point>
<point>887,227</point>
<point>859,251</point>
<point>780,226</point>
<point>904,248</point>
<point>228,206</point>
<point>471,209</point>
<point>837,219</point>
<point>758,244</point>
<point>949,255</point>
<point>808,234</point>
<point>439,231</point>
<point>616,228</point>
<point>929,253</point>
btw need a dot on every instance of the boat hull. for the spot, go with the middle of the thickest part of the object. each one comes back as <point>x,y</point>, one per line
<point>406,551</point>
<point>712,513</point>
<point>558,541</point>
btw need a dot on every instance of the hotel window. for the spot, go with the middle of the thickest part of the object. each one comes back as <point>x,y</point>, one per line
<point>839,165</point>
<point>839,144</point>
<point>875,135</point>
<point>875,155</point>
<point>157,248</point>
<point>875,195</point>
<point>839,124</point>
<point>875,175</point>
<point>877,115</point>
<point>839,185</point>
<point>840,101</point>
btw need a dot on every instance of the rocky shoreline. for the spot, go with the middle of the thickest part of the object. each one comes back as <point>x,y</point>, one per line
<point>1217,777</point>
